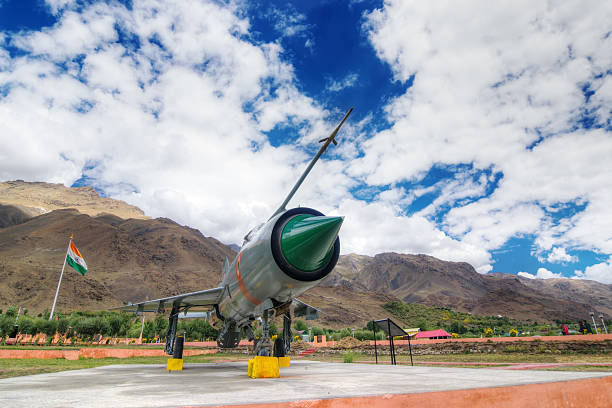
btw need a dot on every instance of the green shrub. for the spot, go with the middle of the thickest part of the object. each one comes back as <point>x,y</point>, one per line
<point>6,325</point>
<point>348,357</point>
<point>11,311</point>
<point>317,331</point>
<point>300,325</point>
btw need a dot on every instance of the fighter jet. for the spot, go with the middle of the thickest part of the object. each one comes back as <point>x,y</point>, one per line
<point>279,260</point>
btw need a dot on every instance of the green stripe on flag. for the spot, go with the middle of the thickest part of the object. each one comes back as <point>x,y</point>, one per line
<point>76,266</point>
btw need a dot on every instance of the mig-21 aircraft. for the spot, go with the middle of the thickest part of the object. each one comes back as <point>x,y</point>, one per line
<point>279,260</point>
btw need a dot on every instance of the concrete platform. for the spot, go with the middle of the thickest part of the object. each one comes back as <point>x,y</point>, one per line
<point>228,384</point>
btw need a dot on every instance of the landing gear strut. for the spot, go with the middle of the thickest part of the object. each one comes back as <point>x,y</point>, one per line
<point>171,333</point>
<point>282,344</point>
<point>263,347</point>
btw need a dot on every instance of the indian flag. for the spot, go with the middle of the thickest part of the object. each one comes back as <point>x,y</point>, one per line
<point>75,259</point>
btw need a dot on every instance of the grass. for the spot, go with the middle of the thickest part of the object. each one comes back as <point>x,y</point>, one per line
<point>19,367</point>
<point>349,356</point>
<point>475,358</point>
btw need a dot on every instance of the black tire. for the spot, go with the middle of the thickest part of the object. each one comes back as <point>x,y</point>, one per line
<point>279,347</point>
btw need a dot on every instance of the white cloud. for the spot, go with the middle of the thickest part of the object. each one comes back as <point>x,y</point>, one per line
<point>176,125</point>
<point>500,87</point>
<point>558,255</point>
<point>542,273</point>
<point>164,122</point>
<point>386,230</point>
<point>601,272</point>
<point>57,5</point>
<point>346,82</point>
<point>288,22</point>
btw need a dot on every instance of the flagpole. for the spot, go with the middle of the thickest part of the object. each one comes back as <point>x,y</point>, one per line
<point>60,279</point>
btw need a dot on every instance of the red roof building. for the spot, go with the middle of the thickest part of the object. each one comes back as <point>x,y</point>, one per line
<point>433,334</point>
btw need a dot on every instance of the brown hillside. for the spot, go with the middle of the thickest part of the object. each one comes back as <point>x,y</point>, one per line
<point>12,215</point>
<point>428,280</point>
<point>595,294</point>
<point>128,260</point>
<point>38,198</point>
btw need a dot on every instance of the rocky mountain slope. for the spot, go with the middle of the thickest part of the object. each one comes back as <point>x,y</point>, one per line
<point>35,198</point>
<point>128,260</point>
<point>428,280</point>
<point>133,258</point>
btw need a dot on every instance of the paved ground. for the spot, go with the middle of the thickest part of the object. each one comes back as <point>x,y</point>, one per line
<point>227,383</point>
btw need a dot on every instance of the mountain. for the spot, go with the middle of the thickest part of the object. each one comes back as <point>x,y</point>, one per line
<point>593,293</point>
<point>12,215</point>
<point>35,198</point>
<point>457,285</point>
<point>132,257</point>
<point>128,260</point>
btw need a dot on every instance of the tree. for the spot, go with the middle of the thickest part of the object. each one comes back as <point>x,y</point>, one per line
<point>148,332</point>
<point>11,311</point>
<point>101,326</point>
<point>423,324</point>
<point>115,324</point>
<point>198,329</point>
<point>346,332</point>
<point>161,325</point>
<point>26,325</point>
<point>85,327</point>
<point>6,325</point>
<point>49,327</point>
<point>300,325</point>
<point>458,328</point>
<point>62,325</point>
<point>134,329</point>
<point>317,331</point>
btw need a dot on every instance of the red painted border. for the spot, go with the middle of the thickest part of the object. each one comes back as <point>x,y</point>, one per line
<point>589,393</point>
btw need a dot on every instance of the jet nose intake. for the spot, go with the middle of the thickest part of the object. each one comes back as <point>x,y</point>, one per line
<point>307,241</point>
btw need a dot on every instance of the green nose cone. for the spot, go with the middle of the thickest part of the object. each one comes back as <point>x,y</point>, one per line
<point>306,240</point>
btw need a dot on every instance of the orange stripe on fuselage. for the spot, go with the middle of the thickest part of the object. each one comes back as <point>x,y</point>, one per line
<point>243,287</point>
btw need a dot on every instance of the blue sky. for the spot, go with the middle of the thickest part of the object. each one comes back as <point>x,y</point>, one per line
<point>481,133</point>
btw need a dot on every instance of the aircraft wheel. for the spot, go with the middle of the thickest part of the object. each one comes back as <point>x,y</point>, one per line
<point>279,347</point>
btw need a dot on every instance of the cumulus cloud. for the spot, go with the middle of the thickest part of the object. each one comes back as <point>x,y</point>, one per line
<point>484,95</point>
<point>542,273</point>
<point>558,255</point>
<point>167,105</point>
<point>161,115</point>
<point>601,272</point>
<point>388,230</point>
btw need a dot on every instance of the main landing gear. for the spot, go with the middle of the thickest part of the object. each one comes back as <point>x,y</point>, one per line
<point>280,347</point>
